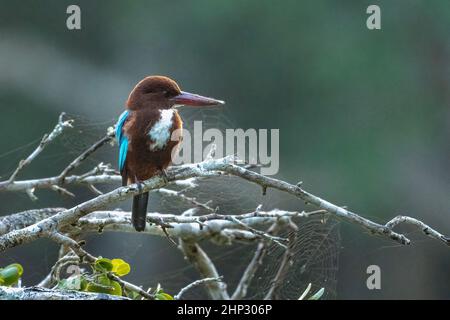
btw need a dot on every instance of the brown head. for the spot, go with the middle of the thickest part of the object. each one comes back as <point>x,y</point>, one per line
<point>163,93</point>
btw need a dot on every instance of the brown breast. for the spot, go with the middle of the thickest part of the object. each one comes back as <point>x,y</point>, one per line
<point>150,133</point>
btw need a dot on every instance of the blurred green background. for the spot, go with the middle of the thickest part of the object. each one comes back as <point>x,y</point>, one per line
<point>363,115</point>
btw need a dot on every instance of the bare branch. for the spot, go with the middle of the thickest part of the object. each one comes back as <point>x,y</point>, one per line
<point>64,240</point>
<point>277,240</point>
<point>426,229</point>
<point>131,287</point>
<point>46,139</point>
<point>25,218</point>
<point>54,274</point>
<point>181,196</point>
<point>195,254</point>
<point>85,256</point>
<point>241,290</point>
<point>48,183</point>
<point>65,226</point>
<point>62,191</point>
<point>193,285</point>
<point>216,227</point>
<point>250,271</point>
<point>78,160</point>
<point>39,293</point>
<point>207,168</point>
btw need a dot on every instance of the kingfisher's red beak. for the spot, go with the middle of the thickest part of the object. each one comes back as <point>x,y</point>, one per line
<point>195,100</point>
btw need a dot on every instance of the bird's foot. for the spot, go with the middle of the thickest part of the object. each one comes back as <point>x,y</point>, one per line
<point>139,186</point>
<point>164,175</point>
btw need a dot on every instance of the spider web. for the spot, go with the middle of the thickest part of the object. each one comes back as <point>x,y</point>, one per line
<point>315,251</point>
<point>63,149</point>
<point>314,260</point>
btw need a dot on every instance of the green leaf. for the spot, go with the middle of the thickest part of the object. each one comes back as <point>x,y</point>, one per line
<point>120,267</point>
<point>117,288</point>
<point>11,274</point>
<point>132,295</point>
<point>83,284</point>
<point>103,280</point>
<point>18,266</point>
<point>103,284</point>
<point>103,264</point>
<point>96,287</point>
<point>163,296</point>
<point>99,288</point>
<point>317,295</point>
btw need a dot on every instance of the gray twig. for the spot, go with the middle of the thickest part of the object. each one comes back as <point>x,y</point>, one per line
<point>195,254</point>
<point>195,284</point>
<point>46,139</point>
<point>39,293</point>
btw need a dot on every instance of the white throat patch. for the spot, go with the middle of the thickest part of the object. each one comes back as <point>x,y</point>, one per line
<point>160,132</point>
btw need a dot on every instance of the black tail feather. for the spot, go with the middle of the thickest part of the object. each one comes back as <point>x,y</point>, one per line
<point>139,211</point>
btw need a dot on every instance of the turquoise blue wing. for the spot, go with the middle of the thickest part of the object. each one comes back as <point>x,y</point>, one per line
<point>122,140</point>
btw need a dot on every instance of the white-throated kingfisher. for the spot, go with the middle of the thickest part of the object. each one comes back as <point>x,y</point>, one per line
<point>144,133</point>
